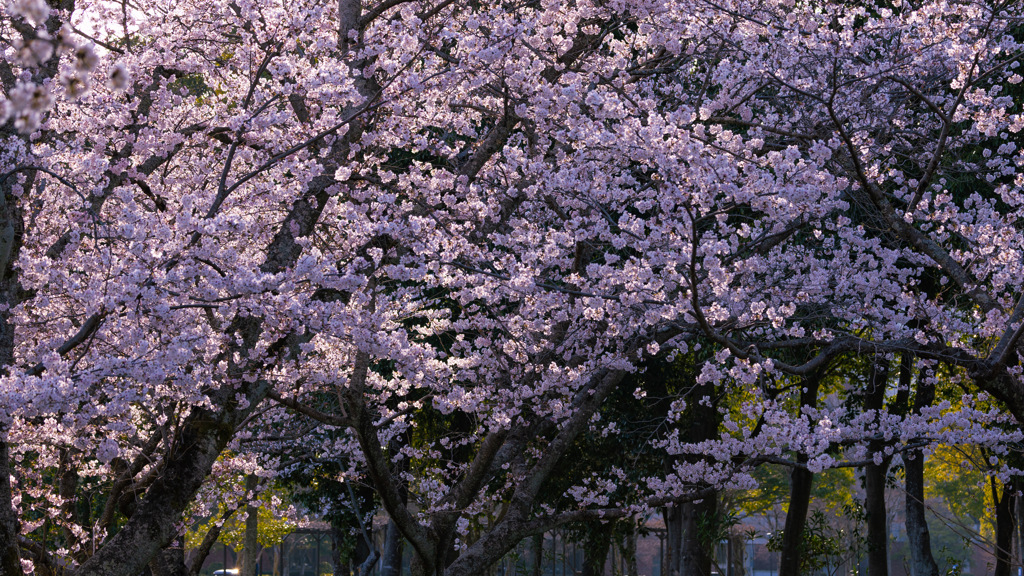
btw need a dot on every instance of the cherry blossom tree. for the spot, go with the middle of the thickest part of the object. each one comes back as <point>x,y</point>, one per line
<point>223,221</point>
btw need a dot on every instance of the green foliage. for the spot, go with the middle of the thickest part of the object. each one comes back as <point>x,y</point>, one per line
<point>834,487</point>
<point>271,528</point>
<point>772,489</point>
<point>953,563</point>
<point>714,527</point>
<point>817,543</point>
<point>951,476</point>
<point>192,84</point>
<point>321,490</point>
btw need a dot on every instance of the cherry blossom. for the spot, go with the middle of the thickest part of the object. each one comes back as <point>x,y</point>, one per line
<point>227,223</point>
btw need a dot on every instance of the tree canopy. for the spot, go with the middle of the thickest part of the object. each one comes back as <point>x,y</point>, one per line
<point>452,252</point>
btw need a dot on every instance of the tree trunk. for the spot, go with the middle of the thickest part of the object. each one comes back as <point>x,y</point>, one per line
<point>201,552</point>
<point>874,479</point>
<point>694,551</point>
<point>595,549</point>
<point>1006,522</point>
<point>392,562</point>
<point>877,528</point>
<point>922,561</point>
<point>285,565</point>
<point>12,233</point>
<point>629,549</point>
<point>417,566</point>
<point>250,541</point>
<point>801,481</point>
<point>738,545</point>
<point>696,519</point>
<point>68,489</point>
<point>673,537</point>
<point>201,439</point>
<point>169,562</point>
<point>1019,534</point>
<point>361,552</point>
<point>338,551</point>
<point>10,557</point>
<point>497,541</point>
<point>538,555</point>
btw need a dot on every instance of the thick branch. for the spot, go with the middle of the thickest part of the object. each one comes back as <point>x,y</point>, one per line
<point>313,413</point>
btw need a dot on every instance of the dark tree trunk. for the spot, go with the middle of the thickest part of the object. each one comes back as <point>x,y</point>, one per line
<point>1006,523</point>
<point>338,550</point>
<point>697,518</point>
<point>595,549</point>
<point>391,564</point>
<point>1018,537</point>
<point>446,553</point>
<point>801,481</point>
<point>538,555</point>
<point>362,551</point>
<point>68,488</point>
<point>874,478</point>
<point>874,504</point>
<point>922,561</point>
<point>10,557</point>
<point>738,546</point>
<point>169,562</point>
<point>417,566</point>
<point>12,232</point>
<point>673,537</point>
<point>201,440</point>
<point>694,557</point>
<point>629,549</point>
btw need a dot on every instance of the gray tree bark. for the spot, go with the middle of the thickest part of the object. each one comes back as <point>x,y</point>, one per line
<point>250,540</point>
<point>673,537</point>
<point>922,561</point>
<point>169,562</point>
<point>694,557</point>
<point>391,564</point>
